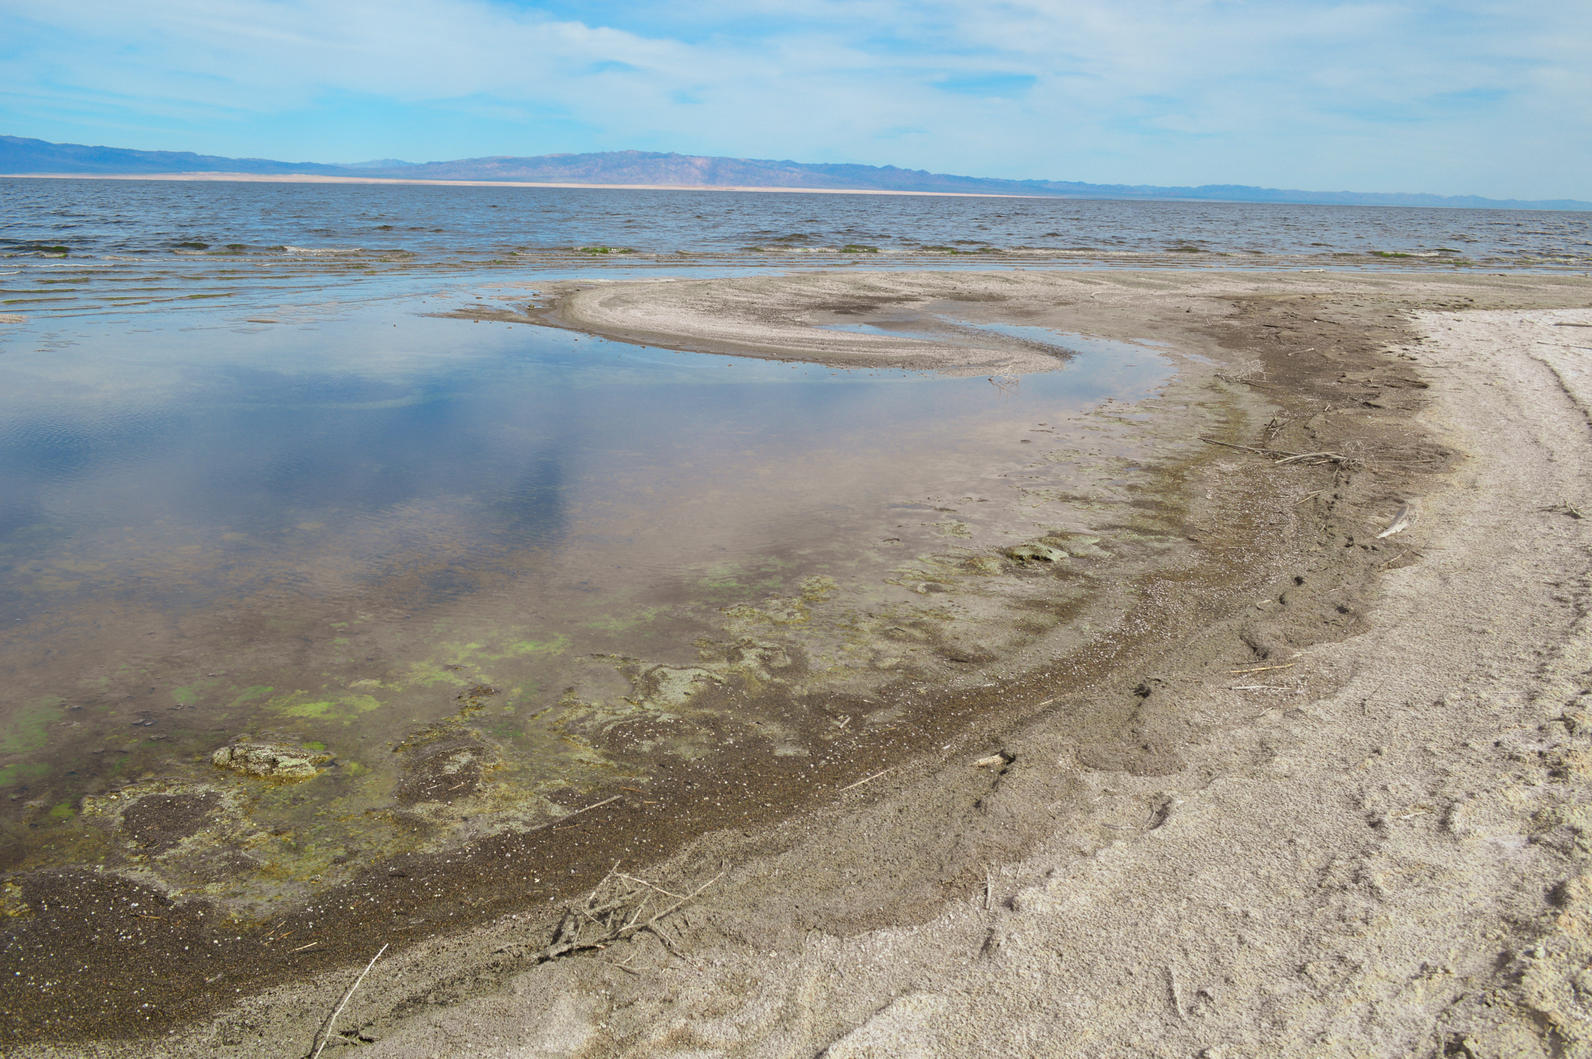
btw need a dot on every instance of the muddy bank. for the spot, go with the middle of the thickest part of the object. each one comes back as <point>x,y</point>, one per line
<point>1093,745</point>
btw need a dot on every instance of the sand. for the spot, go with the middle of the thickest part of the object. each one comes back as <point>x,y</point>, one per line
<point>1339,807</point>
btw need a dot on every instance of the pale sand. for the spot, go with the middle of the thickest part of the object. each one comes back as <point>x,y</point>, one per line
<point>1376,842</point>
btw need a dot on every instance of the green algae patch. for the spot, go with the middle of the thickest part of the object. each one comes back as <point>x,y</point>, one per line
<point>522,648</point>
<point>22,772</point>
<point>27,729</point>
<point>429,674</point>
<point>193,693</point>
<point>343,707</point>
<point>252,693</point>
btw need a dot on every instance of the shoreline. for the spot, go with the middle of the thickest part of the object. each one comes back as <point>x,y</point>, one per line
<point>928,909</point>
<point>312,178</point>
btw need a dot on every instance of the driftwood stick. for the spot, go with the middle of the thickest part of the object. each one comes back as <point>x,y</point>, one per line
<point>1261,669</point>
<point>577,812</point>
<point>1283,456</point>
<point>1325,457</point>
<point>865,779</point>
<point>326,1033</point>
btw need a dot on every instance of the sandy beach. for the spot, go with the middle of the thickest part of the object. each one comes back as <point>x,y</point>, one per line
<point>1319,786</point>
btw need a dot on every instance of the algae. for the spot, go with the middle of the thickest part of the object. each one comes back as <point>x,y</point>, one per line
<point>344,707</point>
<point>27,729</point>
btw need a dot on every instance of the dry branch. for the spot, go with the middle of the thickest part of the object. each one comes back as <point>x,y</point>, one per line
<point>325,1033</point>
<point>1282,457</point>
<point>618,908</point>
<point>1251,670</point>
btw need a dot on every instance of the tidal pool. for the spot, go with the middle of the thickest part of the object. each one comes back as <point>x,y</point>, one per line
<point>287,594</point>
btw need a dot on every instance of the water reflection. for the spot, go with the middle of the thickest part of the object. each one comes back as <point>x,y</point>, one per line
<point>359,530</point>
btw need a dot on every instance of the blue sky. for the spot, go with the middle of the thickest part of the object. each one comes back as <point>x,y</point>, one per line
<point>1489,97</point>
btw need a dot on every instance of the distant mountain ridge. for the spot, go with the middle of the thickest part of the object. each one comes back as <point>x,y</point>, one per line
<point>20,156</point>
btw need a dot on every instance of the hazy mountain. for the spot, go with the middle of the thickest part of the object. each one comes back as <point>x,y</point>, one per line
<point>19,156</point>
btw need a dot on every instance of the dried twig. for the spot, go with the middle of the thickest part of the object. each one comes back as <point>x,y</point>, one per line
<point>568,816</point>
<point>865,779</point>
<point>1260,669</point>
<point>326,1031</point>
<point>618,909</point>
<point>1281,457</point>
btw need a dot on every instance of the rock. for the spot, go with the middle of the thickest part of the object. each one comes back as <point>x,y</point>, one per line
<point>272,761</point>
<point>1036,552</point>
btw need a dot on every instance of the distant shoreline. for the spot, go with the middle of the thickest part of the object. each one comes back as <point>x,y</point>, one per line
<point>312,178</point>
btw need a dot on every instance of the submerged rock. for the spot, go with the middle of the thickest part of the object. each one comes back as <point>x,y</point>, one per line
<point>1036,552</point>
<point>273,761</point>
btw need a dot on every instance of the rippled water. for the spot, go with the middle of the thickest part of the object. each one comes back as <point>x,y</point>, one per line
<point>73,246</point>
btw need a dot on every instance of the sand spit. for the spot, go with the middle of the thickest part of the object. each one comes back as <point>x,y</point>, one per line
<point>1337,808</point>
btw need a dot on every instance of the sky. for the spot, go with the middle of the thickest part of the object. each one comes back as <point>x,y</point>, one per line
<point>1484,97</point>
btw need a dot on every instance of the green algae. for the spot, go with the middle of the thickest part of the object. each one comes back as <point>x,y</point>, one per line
<point>523,648</point>
<point>426,673</point>
<point>344,707</point>
<point>27,729</point>
<point>250,694</point>
<point>22,772</point>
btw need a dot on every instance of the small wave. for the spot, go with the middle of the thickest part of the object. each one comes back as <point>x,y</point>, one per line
<point>323,250</point>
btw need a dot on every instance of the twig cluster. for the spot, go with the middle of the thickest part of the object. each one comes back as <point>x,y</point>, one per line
<point>619,907</point>
<point>1282,457</point>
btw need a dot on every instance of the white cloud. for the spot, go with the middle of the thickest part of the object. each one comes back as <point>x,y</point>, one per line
<point>1167,91</point>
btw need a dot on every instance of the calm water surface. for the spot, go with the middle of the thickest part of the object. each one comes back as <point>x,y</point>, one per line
<point>417,543</point>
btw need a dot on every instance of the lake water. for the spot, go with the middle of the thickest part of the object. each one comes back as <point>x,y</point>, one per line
<point>84,246</point>
<point>252,489</point>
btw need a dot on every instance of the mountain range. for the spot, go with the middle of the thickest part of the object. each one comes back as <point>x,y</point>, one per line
<point>21,156</point>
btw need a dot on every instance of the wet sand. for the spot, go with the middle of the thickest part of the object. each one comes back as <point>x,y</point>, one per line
<point>1310,790</point>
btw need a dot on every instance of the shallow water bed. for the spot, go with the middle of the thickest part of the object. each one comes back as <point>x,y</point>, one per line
<point>285,601</point>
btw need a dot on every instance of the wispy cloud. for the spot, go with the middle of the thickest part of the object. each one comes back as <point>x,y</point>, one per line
<point>1369,94</point>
